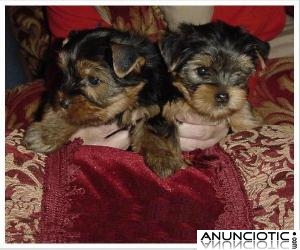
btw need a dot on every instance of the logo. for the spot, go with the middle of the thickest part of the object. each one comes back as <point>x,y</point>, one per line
<point>241,239</point>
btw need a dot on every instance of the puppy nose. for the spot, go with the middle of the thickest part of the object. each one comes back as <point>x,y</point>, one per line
<point>65,103</point>
<point>222,97</point>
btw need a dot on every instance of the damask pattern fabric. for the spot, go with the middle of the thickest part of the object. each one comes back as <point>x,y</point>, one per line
<point>272,94</point>
<point>24,173</point>
<point>145,20</point>
<point>265,159</point>
<point>30,29</point>
<point>21,104</point>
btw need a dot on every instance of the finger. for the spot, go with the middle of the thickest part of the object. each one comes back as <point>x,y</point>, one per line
<point>95,133</point>
<point>188,144</point>
<point>107,130</point>
<point>194,118</point>
<point>118,140</point>
<point>202,132</point>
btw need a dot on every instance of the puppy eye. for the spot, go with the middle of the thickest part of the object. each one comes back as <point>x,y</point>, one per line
<point>202,71</point>
<point>93,80</point>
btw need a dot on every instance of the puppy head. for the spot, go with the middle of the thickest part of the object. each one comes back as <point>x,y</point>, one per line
<point>97,67</point>
<point>211,64</point>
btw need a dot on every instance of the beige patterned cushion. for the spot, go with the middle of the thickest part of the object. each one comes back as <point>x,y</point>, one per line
<point>265,160</point>
<point>24,171</point>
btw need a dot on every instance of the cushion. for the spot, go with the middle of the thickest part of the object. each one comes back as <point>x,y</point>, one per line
<point>21,104</point>
<point>32,27</point>
<point>29,27</point>
<point>283,44</point>
<point>145,20</point>
<point>24,172</point>
<point>63,19</point>
<point>271,93</point>
<point>106,195</point>
<point>254,19</point>
<point>262,160</point>
<point>265,159</point>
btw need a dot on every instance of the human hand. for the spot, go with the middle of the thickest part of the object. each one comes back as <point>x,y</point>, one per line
<point>195,132</point>
<point>104,135</point>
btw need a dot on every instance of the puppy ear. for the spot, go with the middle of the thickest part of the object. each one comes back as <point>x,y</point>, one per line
<point>126,60</point>
<point>168,45</point>
<point>174,49</point>
<point>170,48</point>
<point>256,48</point>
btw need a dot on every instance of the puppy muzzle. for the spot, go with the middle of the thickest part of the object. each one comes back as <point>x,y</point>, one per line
<point>64,103</point>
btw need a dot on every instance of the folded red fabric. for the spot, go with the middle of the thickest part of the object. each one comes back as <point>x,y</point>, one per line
<point>63,19</point>
<point>265,22</point>
<point>106,195</point>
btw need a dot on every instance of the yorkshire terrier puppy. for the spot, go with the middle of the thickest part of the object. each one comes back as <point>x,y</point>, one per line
<point>118,76</point>
<point>109,76</point>
<point>211,64</point>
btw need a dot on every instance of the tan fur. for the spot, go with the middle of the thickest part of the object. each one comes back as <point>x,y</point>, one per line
<point>136,65</point>
<point>242,61</point>
<point>200,60</point>
<point>131,116</point>
<point>58,124</point>
<point>83,112</point>
<point>63,60</point>
<point>161,153</point>
<point>245,62</point>
<point>170,109</point>
<point>87,68</point>
<point>49,134</point>
<point>244,119</point>
<point>90,68</point>
<point>202,101</point>
<point>180,86</point>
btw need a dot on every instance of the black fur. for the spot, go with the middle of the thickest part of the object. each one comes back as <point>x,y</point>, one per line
<point>178,47</point>
<point>96,44</point>
<point>211,65</point>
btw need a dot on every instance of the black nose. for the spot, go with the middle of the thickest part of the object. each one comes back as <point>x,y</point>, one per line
<point>65,103</point>
<point>222,98</point>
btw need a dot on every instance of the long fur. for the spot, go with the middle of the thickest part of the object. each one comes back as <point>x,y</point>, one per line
<point>211,65</point>
<point>109,76</point>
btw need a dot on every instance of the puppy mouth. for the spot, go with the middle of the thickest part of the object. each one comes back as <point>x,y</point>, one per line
<point>218,103</point>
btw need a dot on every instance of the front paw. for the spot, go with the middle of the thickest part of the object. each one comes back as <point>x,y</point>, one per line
<point>164,166</point>
<point>37,139</point>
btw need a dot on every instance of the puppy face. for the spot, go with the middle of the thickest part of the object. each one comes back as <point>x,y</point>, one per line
<point>211,65</point>
<point>96,68</point>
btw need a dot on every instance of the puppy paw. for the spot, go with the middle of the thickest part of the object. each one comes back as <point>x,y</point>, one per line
<point>130,117</point>
<point>245,119</point>
<point>36,139</point>
<point>164,166</point>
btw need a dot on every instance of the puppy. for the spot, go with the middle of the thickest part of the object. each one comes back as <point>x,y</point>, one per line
<point>109,76</point>
<point>211,64</point>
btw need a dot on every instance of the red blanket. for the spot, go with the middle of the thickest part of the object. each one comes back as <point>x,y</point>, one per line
<point>105,195</point>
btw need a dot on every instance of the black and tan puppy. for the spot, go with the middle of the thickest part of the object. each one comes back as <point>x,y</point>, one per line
<point>211,64</point>
<point>108,76</point>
